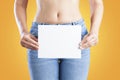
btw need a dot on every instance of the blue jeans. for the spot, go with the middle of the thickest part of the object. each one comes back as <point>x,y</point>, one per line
<point>58,68</point>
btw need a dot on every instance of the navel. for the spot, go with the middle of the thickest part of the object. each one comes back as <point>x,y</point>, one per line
<point>58,15</point>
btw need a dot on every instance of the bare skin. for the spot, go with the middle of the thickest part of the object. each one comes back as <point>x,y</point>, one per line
<point>54,12</point>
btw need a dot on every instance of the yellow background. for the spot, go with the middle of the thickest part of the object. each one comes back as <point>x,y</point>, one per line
<point>105,57</point>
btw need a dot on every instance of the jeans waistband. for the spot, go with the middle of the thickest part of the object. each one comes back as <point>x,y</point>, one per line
<point>80,21</point>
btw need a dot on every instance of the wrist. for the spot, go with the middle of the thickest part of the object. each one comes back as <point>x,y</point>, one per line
<point>94,32</point>
<point>23,33</point>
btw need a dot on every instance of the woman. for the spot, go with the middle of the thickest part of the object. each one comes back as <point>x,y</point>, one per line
<point>62,12</point>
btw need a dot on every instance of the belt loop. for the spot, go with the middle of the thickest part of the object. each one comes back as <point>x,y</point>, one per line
<point>72,23</point>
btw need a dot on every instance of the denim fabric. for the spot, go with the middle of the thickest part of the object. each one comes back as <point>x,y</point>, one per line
<point>58,68</point>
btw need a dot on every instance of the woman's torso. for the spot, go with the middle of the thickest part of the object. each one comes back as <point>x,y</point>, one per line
<point>57,11</point>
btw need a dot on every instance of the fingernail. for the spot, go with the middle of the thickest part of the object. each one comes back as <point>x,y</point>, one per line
<point>80,47</point>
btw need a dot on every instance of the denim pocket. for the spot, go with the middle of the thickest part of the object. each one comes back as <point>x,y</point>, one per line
<point>83,33</point>
<point>34,30</point>
<point>32,56</point>
<point>84,30</point>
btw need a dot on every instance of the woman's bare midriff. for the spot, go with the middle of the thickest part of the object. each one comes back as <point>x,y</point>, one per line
<point>57,11</point>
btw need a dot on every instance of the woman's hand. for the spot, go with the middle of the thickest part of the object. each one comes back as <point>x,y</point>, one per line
<point>96,10</point>
<point>91,39</point>
<point>29,41</point>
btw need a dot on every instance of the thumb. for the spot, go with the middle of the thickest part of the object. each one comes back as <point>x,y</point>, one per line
<point>84,40</point>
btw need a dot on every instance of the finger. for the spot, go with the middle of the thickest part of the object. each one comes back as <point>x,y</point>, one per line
<point>94,40</point>
<point>86,45</point>
<point>31,41</point>
<point>93,43</point>
<point>81,47</point>
<point>86,38</point>
<point>89,42</point>
<point>83,41</point>
<point>33,37</point>
<point>89,38</point>
<point>30,45</point>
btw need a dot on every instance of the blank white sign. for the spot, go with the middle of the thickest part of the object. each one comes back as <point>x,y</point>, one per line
<point>59,41</point>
